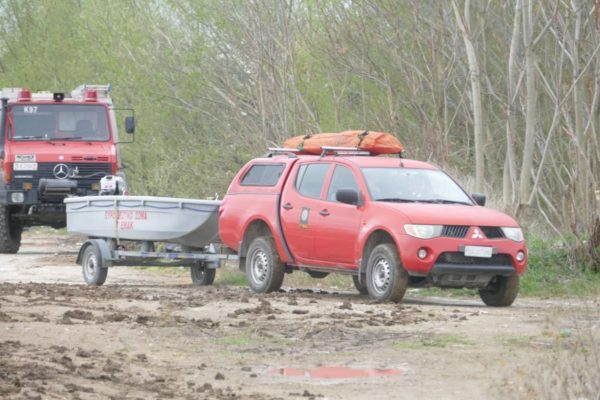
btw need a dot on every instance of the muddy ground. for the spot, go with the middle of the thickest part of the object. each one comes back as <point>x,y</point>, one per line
<point>147,334</point>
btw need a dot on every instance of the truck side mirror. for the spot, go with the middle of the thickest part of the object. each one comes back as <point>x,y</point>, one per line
<point>130,124</point>
<point>349,196</point>
<point>479,198</point>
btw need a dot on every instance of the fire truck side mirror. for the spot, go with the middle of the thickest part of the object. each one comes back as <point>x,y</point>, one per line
<point>130,124</point>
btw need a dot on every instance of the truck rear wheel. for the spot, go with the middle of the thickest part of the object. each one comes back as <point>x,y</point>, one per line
<point>362,285</point>
<point>92,265</point>
<point>264,269</point>
<point>501,292</point>
<point>202,275</point>
<point>10,232</point>
<point>387,280</point>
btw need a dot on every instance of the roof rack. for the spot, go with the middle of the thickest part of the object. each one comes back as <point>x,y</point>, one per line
<point>280,150</point>
<point>344,151</point>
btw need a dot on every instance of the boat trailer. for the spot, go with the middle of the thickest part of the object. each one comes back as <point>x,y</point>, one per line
<point>125,230</point>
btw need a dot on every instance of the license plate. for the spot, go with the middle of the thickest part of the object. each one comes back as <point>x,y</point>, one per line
<point>25,166</point>
<point>25,157</point>
<point>478,251</point>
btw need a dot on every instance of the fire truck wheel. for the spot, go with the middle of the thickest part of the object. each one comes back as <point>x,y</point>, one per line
<point>201,275</point>
<point>264,269</point>
<point>10,232</point>
<point>92,265</point>
<point>387,279</point>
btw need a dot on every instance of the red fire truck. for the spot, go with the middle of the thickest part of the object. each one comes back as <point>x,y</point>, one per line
<point>53,146</point>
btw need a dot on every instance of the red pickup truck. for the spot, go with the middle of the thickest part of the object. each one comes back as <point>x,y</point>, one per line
<point>389,222</point>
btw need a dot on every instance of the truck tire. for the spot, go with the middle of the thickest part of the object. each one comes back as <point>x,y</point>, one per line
<point>264,269</point>
<point>501,292</point>
<point>201,275</point>
<point>93,267</point>
<point>387,279</point>
<point>360,286</point>
<point>10,232</point>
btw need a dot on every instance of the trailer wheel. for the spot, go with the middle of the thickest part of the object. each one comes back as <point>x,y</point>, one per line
<point>387,279</point>
<point>202,275</point>
<point>10,232</point>
<point>264,269</point>
<point>92,265</point>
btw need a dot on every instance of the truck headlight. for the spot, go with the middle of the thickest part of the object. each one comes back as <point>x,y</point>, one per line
<point>515,234</point>
<point>423,231</point>
<point>17,197</point>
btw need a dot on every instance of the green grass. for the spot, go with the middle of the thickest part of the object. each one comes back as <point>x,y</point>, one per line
<point>513,341</point>
<point>550,273</point>
<point>242,339</point>
<point>230,277</point>
<point>47,230</point>
<point>440,341</point>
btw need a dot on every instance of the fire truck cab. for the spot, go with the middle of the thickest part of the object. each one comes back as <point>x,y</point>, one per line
<point>53,146</point>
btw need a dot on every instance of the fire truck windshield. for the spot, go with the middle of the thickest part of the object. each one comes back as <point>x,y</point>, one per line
<point>72,122</point>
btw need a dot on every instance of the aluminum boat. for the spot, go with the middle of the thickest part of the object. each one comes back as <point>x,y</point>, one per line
<point>188,222</point>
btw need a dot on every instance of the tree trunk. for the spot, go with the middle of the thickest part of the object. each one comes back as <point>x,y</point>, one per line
<point>531,111</point>
<point>464,26</point>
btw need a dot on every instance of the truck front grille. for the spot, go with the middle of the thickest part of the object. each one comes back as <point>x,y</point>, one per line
<point>455,231</point>
<point>460,231</point>
<point>86,174</point>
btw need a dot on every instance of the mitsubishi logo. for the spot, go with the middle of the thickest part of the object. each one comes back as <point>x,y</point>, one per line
<point>61,171</point>
<point>476,234</point>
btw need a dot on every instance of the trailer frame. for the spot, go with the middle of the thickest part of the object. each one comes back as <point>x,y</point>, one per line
<point>97,255</point>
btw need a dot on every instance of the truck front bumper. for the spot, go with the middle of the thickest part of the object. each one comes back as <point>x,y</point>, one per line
<point>443,262</point>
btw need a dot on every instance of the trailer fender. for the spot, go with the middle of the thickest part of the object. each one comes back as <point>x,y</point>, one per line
<point>102,246</point>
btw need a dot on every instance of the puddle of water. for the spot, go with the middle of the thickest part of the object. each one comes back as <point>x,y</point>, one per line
<point>334,372</point>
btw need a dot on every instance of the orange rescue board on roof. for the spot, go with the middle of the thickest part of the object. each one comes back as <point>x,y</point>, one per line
<point>374,142</point>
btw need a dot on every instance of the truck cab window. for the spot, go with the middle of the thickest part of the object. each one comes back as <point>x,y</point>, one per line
<point>343,178</point>
<point>310,179</point>
<point>262,175</point>
<point>60,121</point>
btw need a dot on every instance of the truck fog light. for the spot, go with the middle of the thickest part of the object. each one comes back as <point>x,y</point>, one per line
<point>96,187</point>
<point>17,197</point>
<point>27,185</point>
<point>422,253</point>
<point>520,256</point>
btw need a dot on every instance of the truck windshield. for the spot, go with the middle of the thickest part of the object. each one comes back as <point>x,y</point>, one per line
<point>59,122</point>
<point>406,185</point>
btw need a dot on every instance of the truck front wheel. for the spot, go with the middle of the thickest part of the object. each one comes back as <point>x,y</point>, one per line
<point>10,232</point>
<point>387,280</point>
<point>264,269</point>
<point>501,292</point>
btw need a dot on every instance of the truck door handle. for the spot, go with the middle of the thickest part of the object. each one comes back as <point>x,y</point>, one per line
<point>288,206</point>
<point>324,212</point>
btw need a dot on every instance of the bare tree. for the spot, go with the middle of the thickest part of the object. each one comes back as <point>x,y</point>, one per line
<point>463,22</point>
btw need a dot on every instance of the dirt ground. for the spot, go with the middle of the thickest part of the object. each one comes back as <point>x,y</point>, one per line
<point>147,334</point>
